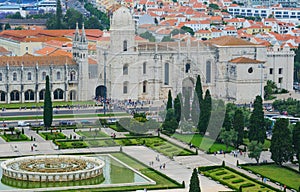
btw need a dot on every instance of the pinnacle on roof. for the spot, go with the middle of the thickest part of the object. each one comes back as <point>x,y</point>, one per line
<point>83,35</point>
<point>76,37</point>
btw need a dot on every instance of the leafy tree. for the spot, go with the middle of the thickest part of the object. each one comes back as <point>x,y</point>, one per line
<point>169,103</point>
<point>194,182</point>
<point>255,150</point>
<point>186,107</point>
<point>48,110</point>
<point>297,65</point>
<point>188,30</point>
<point>7,26</point>
<point>17,15</point>
<point>148,35</point>
<point>124,123</point>
<point>238,126</point>
<point>167,39</point>
<point>228,137</point>
<point>51,22</point>
<point>214,6</point>
<point>227,123</point>
<point>102,17</point>
<point>197,100</point>
<point>296,141</point>
<point>186,126</point>
<point>281,143</point>
<point>92,23</point>
<point>269,89</point>
<point>18,133</point>
<point>205,112</point>
<point>177,108</point>
<point>257,130</point>
<point>72,17</point>
<point>11,129</point>
<point>170,124</point>
<point>177,31</point>
<point>58,15</point>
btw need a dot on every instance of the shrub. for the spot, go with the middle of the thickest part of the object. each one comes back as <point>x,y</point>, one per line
<point>228,177</point>
<point>237,181</point>
<point>245,185</point>
<point>221,173</point>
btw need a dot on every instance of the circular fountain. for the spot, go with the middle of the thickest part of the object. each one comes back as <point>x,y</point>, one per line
<point>53,168</point>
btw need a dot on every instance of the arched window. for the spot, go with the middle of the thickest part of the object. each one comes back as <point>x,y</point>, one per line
<point>125,45</point>
<point>42,94</point>
<point>44,76</point>
<point>72,75</point>
<point>166,74</point>
<point>15,77</point>
<point>187,67</point>
<point>72,95</point>
<point>144,86</point>
<point>29,76</point>
<point>125,87</point>
<point>144,67</point>
<point>208,72</point>
<point>58,75</point>
<point>29,95</point>
<point>0,76</point>
<point>14,95</point>
<point>58,94</point>
<point>2,96</point>
<point>125,69</point>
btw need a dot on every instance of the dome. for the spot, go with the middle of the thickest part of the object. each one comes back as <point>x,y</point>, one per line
<point>122,19</point>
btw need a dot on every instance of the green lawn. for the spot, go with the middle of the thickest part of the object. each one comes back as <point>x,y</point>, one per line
<point>53,135</point>
<point>234,180</point>
<point>155,143</point>
<point>267,143</point>
<point>15,137</point>
<point>205,143</point>
<point>92,115</point>
<point>277,173</point>
<point>92,134</point>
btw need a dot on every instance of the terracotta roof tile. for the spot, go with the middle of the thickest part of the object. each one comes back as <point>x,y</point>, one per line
<point>245,60</point>
<point>229,41</point>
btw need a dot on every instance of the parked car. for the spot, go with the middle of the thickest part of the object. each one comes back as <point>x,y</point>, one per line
<point>23,124</point>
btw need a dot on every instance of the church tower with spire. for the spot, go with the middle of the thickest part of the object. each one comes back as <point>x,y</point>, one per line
<point>80,55</point>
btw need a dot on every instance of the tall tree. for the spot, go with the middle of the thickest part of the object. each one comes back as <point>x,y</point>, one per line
<point>194,182</point>
<point>197,100</point>
<point>238,126</point>
<point>228,137</point>
<point>296,141</point>
<point>170,124</point>
<point>205,112</point>
<point>281,143</point>
<point>59,15</point>
<point>48,110</point>
<point>255,150</point>
<point>177,108</point>
<point>169,103</point>
<point>186,106</point>
<point>227,124</point>
<point>257,130</point>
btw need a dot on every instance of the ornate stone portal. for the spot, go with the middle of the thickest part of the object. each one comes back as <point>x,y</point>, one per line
<point>52,168</point>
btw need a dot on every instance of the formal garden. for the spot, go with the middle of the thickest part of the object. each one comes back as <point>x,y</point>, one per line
<point>277,174</point>
<point>52,135</point>
<point>233,179</point>
<point>155,143</point>
<point>12,134</point>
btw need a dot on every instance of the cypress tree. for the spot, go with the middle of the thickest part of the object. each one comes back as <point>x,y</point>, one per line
<point>257,130</point>
<point>205,113</point>
<point>48,110</point>
<point>169,103</point>
<point>227,121</point>
<point>177,108</point>
<point>58,15</point>
<point>296,141</point>
<point>281,143</point>
<point>186,107</point>
<point>197,99</point>
<point>238,126</point>
<point>194,182</point>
